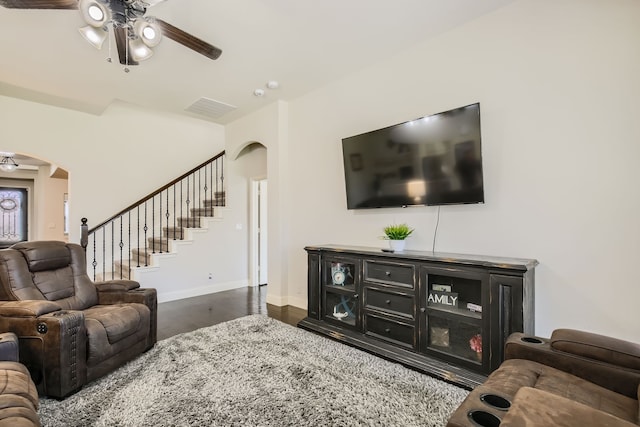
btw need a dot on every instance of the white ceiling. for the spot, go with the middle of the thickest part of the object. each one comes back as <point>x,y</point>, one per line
<point>303,44</point>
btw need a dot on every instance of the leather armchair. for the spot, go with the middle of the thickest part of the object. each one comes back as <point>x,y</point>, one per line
<point>71,330</point>
<point>574,378</point>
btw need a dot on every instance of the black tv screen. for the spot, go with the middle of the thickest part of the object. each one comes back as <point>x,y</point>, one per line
<point>434,160</point>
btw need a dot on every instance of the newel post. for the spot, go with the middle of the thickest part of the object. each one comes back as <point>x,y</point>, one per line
<point>84,234</point>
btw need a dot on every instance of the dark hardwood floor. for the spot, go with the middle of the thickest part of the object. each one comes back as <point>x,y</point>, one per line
<point>176,317</point>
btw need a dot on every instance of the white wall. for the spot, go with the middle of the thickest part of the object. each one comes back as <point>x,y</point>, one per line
<point>106,155</point>
<point>51,206</point>
<point>558,86</point>
<point>269,127</point>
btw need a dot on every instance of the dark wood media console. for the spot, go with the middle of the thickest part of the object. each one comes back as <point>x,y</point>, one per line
<point>447,315</point>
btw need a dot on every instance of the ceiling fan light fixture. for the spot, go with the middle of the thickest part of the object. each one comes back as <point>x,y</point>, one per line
<point>95,36</point>
<point>148,31</point>
<point>94,12</point>
<point>139,50</point>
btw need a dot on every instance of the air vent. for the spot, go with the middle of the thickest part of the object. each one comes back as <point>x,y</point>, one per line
<point>210,108</point>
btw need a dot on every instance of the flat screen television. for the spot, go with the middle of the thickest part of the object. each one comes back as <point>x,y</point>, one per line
<point>433,160</point>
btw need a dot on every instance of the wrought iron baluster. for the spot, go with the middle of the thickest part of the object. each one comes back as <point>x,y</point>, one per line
<point>217,180</point>
<point>129,254</point>
<point>224,195</point>
<point>160,218</point>
<point>194,196</point>
<point>168,216</point>
<point>206,186</point>
<point>174,212</point>
<point>121,245</point>
<point>146,238</point>
<point>188,201</point>
<point>153,225</point>
<point>137,240</point>
<point>94,263</point>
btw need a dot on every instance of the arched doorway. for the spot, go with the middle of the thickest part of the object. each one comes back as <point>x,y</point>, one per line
<point>253,156</point>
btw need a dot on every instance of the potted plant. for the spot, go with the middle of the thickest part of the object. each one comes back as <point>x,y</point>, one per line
<point>396,235</point>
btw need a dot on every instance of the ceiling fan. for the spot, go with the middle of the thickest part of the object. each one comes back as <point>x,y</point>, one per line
<point>135,33</point>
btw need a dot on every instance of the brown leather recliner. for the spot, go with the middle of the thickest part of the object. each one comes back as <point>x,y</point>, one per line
<point>71,330</point>
<point>575,378</point>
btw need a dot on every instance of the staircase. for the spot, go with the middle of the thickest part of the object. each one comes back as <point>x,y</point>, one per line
<point>136,237</point>
<point>143,257</point>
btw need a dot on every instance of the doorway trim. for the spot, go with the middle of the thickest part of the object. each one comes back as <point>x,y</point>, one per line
<point>257,229</point>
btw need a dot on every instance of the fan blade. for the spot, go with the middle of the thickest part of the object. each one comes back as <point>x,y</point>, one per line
<point>39,4</point>
<point>188,40</point>
<point>121,42</point>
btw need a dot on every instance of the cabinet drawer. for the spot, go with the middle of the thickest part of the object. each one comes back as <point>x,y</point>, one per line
<point>400,304</point>
<point>397,274</point>
<point>389,330</point>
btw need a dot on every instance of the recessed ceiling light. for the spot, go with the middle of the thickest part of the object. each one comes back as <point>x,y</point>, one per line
<point>258,92</point>
<point>272,84</point>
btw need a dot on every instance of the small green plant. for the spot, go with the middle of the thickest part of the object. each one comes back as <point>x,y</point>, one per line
<point>397,232</point>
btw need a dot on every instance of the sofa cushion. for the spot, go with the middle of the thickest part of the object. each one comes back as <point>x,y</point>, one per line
<point>597,347</point>
<point>113,329</point>
<point>533,407</point>
<point>118,320</point>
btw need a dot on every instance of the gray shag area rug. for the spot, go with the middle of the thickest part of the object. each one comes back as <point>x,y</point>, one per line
<point>256,371</point>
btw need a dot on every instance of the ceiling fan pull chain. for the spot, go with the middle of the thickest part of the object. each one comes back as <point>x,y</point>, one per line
<point>126,45</point>
<point>107,27</point>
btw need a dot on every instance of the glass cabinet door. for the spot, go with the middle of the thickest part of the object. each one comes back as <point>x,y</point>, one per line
<point>340,291</point>
<point>453,304</point>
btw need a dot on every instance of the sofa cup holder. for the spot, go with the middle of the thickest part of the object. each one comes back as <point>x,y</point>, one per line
<point>532,340</point>
<point>495,401</point>
<point>483,419</point>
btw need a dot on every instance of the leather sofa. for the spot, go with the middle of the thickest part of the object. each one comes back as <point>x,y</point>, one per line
<point>71,330</point>
<point>575,378</point>
<point>18,395</point>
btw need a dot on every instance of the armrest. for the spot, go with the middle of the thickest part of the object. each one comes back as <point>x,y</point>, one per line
<point>581,354</point>
<point>9,350</point>
<point>532,407</point>
<point>52,346</point>
<point>27,308</point>
<point>597,347</point>
<point>122,285</point>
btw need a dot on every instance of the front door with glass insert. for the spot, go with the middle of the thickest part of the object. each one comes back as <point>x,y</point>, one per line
<point>13,220</point>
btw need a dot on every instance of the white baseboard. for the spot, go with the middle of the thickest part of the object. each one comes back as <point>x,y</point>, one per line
<point>194,292</point>
<point>286,300</point>
<point>298,302</point>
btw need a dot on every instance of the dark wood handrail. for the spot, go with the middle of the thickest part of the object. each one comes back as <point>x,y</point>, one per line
<point>158,191</point>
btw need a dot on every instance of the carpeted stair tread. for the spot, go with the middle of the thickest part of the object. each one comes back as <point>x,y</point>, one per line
<point>203,212</point>
<point>189,222</point>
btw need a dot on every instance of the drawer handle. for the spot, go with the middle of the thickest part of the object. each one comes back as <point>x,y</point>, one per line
<point>355,296</point>
<point>387,273</point>
<point>387,330</point>
<point>388,302</point>
<point>422,309</point>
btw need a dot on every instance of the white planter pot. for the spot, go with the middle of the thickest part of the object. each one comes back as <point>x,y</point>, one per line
<point>397,245</point>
